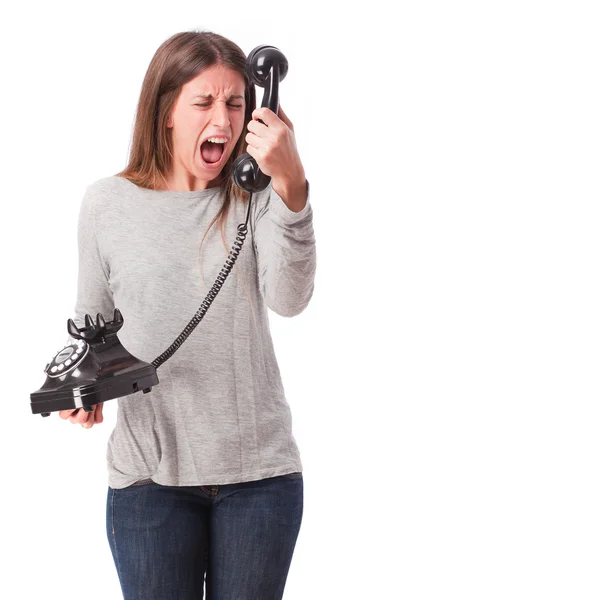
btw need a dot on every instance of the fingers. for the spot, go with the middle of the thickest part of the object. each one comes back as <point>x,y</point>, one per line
<point>78,416</point>
<point>90,419</point>
<point>95,416</point>
<point>65,414</point>
<point>99,416</point>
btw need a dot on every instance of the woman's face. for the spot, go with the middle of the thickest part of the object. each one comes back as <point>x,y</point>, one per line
<point>196,116</point>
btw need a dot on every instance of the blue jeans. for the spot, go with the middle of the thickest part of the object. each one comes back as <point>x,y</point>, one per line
<point>239,538</point>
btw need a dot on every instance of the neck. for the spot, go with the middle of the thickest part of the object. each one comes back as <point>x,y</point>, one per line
<point>186,183</point>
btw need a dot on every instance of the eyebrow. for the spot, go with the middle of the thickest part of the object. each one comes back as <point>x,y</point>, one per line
<point>210,96</point>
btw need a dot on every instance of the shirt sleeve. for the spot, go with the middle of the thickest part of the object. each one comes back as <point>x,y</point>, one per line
<point>93,289</point>
<point>284,243</point>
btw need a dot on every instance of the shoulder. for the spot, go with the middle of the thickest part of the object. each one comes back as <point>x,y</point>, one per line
<point>106,192</point>
<point>109,185</point>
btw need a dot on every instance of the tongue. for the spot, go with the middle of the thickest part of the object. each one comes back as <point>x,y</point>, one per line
<point>211,153</point>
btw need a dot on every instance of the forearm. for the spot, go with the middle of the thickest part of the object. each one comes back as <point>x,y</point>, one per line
<point>293,190</point>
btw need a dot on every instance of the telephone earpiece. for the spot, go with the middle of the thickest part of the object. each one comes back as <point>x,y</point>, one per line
<point>266,67</point>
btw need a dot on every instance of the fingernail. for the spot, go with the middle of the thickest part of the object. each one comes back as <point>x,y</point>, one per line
<point>86,425</point>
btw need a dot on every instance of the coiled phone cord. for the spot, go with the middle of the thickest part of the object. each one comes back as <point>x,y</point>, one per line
<point>221,278</point>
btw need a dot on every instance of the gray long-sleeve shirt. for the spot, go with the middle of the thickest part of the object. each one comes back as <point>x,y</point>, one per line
<point>219,414</point>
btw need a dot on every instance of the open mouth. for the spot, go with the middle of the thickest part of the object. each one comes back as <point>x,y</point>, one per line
<point>212,154</point>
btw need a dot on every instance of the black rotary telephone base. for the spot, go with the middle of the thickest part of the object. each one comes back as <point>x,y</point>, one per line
<point>86,397</point>
<point>96,367</point>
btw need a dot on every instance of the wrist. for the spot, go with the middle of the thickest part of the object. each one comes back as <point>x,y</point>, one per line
<point>292,191</point>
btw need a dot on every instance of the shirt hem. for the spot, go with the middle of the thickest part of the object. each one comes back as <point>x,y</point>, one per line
<point>218,479</point>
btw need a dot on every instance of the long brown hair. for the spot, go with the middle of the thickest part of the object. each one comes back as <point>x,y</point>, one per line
<point>179,59</point>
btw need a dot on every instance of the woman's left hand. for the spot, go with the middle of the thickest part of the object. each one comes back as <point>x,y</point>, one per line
<point>273,146</point>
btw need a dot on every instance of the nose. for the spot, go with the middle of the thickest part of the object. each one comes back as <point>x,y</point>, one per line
<point>219,114</point>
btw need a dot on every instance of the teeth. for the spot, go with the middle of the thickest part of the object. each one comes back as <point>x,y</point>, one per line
<point>216,140</point>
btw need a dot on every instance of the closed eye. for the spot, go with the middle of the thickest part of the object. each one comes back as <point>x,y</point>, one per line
<point>232,105</point>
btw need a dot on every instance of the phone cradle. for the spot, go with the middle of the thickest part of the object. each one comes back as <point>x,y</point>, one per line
<point>94,368</point>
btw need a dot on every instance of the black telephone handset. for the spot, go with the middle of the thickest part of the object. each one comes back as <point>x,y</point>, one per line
<point>96,367</point>
<point>266,67</point>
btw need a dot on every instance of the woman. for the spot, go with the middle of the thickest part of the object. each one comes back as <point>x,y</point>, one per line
<point>205,477</point>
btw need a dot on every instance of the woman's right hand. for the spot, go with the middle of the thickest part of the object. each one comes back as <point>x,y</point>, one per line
<point>86,419</point>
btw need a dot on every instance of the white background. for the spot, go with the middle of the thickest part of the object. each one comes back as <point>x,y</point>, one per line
<point>442,380</point>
